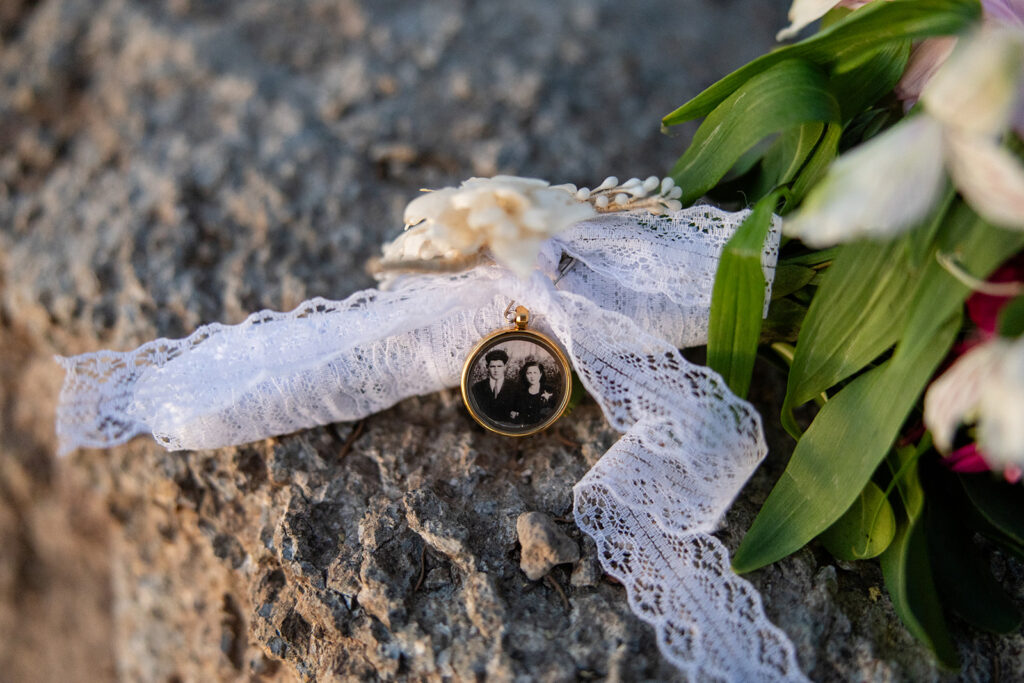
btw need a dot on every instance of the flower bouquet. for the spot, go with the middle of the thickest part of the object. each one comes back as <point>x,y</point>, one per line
<point>890,142</point>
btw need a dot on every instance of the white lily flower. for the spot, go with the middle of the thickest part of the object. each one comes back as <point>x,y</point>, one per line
<point>802,13</point>
<point>888,184</point>
<point>976,88</point>
<point>989,177</point>
<point>877,190</point>
<point>508,216</point>
<point>986,386</point>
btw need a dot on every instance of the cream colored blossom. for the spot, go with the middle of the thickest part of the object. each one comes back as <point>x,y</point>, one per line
<point>985,386</point>
<point>889,183</point>
<point>508,216</point>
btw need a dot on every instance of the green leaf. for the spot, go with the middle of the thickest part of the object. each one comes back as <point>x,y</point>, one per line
<point>862,32</point>
<point>786,157</point>
<point>906,568</point>
<point>964,579</point>
<point>576,394</point>
<point>902,462</point>
<point>1000,504</point>
<point>835,458</point>
<point>922,249</point>
<point>864,530</point>
<point>859,83</point>
<point>783,322</point>
<point>1011,318</point>
<point>908,578</point>
<point>817,257</point>
<point>833,17</point>
<point>962,573</point>
<point>824,153</point>
<point>850,320</point>
<point>737,299</point>
<point>789,278</point>
<point>788,94</point>
<point>867,125</point>
<point>747,161</point>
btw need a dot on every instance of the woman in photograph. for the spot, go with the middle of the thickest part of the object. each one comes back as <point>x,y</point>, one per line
<point>536,398</point>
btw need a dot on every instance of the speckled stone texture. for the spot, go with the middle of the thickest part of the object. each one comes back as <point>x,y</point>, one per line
<point>165,164</point>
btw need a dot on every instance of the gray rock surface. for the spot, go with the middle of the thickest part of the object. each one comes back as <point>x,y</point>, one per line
<point>165,164</point>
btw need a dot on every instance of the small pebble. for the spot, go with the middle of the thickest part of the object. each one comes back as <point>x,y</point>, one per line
<point>544,545</point>
<point>587,573</point>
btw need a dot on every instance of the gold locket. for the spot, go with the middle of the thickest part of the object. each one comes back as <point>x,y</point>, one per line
<point>516,381</point>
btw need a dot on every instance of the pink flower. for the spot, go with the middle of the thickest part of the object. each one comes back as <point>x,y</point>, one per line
<point>970,460</point>
<point>984,390</point>
<point>925,60</point>
<point>966,460</point>
<point>983,385</point>
<point>983,309</point>
<point>1009,12</point>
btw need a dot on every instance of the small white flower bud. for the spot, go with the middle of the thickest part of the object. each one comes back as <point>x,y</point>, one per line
<point>609,182</point>
<point>667,184</point>
<point>621,198</point>
<point>651,183</point>
<point>675,193</point>
<point>601,202</point>
<point>673,205</point>
<point>583,194</point>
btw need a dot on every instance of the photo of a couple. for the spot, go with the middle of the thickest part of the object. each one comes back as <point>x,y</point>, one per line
<point>517,385</point>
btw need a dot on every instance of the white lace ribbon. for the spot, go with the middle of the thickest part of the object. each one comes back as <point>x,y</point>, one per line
<point>640,288</point>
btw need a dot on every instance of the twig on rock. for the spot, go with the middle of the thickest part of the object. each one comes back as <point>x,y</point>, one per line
<point>423,568</point>
<point>356,432</point>
<point>558,589</point>
<point>566,441</point>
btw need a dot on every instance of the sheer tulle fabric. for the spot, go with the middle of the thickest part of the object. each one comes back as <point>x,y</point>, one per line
<point>639,289</point>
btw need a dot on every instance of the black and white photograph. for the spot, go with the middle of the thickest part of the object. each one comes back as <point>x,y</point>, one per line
<point>516,384</point>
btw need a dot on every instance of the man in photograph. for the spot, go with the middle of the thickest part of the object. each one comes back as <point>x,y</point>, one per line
<point>494,395</point>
